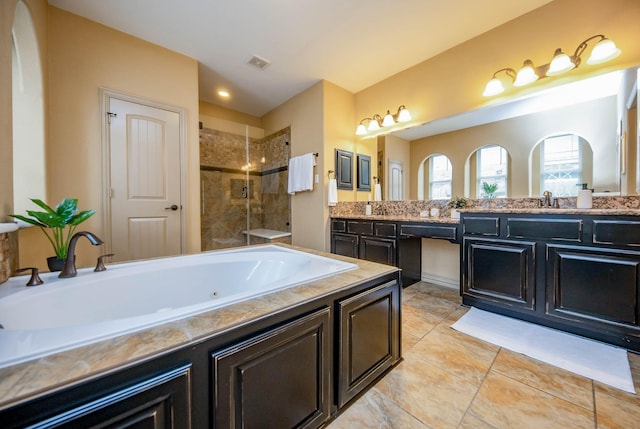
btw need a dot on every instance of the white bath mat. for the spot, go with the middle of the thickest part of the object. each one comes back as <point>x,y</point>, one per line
<point>592,359</point>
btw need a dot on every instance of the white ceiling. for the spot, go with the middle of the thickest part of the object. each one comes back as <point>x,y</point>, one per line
<point>352,43</point>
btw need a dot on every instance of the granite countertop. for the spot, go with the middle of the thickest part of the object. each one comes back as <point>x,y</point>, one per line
<point>397,218</point>
<point>562,211</point>
<point>22,381</point>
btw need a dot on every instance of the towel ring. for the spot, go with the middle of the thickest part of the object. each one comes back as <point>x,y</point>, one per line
<point>330,173</point>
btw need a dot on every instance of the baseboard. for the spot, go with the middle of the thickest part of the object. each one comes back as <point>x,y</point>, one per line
<point>441,281</point>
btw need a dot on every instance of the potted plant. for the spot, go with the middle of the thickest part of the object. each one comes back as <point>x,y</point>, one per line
<point>489,189</point>
<point>58,225</point>
<point>456,203</point>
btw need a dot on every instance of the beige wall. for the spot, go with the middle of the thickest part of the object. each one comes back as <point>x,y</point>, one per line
<point>304,113</point>
<point>452,82</point>
<point>84,56</point>
<point>220,112</point>
<point>595,121</point>
<point>321,120</point>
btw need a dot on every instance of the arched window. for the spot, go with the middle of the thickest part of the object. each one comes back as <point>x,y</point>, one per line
<point>440,177</point>
<point>28,112</point>
<point>492,172</point>
<point>564,164</point>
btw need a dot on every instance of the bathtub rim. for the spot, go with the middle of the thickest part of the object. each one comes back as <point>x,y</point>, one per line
<point>142,323</point>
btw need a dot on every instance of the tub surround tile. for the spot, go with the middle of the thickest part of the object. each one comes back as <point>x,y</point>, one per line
<point>18,382</point>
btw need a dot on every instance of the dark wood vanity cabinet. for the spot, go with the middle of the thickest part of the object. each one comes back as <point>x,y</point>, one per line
<point>295,368</point>
<point>289,365</point>
<point>396,243</point>
<point>160,400</point>
<point>577,273</point>
<point>369,327</point>
<point>500,271</point>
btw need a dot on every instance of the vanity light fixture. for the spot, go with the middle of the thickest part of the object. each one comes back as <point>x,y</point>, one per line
<point>603,51</point>
<point>376,121</point>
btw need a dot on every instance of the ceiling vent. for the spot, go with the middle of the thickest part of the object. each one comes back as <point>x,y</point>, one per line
<point>258,62</point>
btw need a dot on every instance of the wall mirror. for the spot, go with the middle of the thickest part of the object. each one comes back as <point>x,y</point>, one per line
<point>590,109</point>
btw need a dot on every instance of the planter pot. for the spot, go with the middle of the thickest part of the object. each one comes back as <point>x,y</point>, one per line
<point>55,264</point>
<point>455,214</point>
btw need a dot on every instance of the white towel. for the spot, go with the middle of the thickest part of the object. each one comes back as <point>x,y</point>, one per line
<point>333,192</point>
<point>301,173</point>
<point>377,193</point>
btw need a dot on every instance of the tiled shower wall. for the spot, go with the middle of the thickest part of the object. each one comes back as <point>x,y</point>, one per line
<point>223,163</point>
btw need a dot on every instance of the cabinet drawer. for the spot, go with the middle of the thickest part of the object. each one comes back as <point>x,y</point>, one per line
<point>550,229</point>
<point>381,250</point>
<point>360,227</point>
<point>339,226</point>
<point>624,233</point>
<point>481,226</point>
<point>428,231</point>
<point>385,229</point>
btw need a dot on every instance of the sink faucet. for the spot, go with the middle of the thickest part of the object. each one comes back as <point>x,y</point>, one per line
<point>547,198</point>
<point>69,268</point>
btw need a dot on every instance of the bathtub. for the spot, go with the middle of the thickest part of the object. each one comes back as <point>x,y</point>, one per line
<point>66,313</point>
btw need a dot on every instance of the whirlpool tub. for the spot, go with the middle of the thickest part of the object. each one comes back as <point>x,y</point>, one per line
<point>66,313</point>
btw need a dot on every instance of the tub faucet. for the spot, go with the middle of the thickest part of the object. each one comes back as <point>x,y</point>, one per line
<point>69,268</point>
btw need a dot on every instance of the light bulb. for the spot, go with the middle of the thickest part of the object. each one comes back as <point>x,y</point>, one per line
<point>526,75</point>
<point>373,125</point>
<point>560,63</point>
<point>361,130</point>
<point>604,51</point>
<point>494,87</point>
<point>388,120</point>
<point>404,115</point>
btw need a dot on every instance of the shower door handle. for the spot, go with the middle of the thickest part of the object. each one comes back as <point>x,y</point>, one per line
<point>173,207</point>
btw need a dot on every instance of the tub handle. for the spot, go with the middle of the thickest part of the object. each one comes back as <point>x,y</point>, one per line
<point>100,264</point>
<point>35,279</point>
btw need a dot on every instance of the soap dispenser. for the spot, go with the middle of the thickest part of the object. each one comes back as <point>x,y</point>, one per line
<point>584,200</point>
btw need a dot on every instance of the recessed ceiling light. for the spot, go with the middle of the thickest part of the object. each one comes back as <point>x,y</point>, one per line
<point>223,93</point>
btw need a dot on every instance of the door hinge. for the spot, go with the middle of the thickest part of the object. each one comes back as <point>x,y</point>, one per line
<point>110,116</point>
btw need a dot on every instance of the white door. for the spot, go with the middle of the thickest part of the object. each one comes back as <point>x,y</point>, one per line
<point>145,178</point>
<point>396,184</point>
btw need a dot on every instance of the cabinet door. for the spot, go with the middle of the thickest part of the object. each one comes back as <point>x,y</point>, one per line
<point>499,271</point>
<point>369,342</point>
<point>378,250</point>
<point>158,402</point>
<point>280,379</point>
<point>344,244</point>
<point>593,284</point>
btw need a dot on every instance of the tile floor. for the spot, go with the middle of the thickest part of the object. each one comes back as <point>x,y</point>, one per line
<point>451,380</point>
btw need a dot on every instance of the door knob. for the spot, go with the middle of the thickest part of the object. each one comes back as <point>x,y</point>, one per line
<point>173,207</point>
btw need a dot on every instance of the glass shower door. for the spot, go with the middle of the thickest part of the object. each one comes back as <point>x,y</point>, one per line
<point>243,188</point>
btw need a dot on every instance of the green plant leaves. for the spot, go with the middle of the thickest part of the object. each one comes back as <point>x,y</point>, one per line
<point>54,222</point>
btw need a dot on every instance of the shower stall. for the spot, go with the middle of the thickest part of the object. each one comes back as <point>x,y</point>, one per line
<point>243,180</point>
